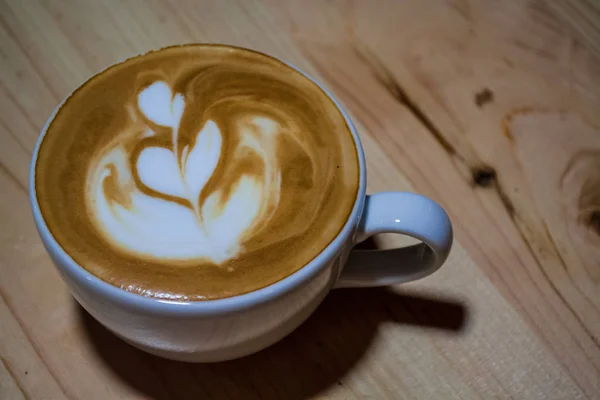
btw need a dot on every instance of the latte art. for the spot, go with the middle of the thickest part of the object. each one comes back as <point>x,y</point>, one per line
<point>153,203</point>
<point>196,172</point>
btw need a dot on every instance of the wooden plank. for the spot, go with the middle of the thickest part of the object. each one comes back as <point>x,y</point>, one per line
<point>488,107</point>
<point>9,388</point>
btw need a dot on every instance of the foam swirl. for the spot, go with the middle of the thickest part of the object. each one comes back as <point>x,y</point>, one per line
<point>161,211</point>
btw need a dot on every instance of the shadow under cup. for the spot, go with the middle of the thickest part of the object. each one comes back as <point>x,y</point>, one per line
<point>228,328</point>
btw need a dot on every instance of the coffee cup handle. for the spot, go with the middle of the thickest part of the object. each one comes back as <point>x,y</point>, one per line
<point>404,213</point>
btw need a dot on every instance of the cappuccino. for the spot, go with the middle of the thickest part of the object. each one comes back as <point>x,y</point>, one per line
<point>196,172</point>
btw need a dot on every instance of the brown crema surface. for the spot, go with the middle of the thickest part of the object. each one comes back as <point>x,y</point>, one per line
<point>313,152</point>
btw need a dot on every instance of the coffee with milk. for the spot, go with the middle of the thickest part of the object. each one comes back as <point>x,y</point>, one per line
<point>196,172</point>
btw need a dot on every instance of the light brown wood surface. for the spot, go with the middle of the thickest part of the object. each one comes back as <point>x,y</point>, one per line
<point>489,107</point>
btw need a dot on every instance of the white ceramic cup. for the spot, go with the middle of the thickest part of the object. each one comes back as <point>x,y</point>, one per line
<point>224,329</point>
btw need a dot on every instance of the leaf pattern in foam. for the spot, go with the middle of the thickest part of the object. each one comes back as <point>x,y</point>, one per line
<point>157,167</point>
<point>219,226</point>
<point>201,160</point>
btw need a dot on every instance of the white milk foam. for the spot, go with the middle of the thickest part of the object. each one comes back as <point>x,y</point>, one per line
<point>154,227</point>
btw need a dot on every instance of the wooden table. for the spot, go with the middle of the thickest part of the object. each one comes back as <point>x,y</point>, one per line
<point>490,107</point>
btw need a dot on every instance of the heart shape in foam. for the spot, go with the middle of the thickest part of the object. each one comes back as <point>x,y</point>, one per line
<point>160,170</point>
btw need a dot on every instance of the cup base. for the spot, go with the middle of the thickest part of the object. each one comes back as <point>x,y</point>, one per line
<point>238,350</point>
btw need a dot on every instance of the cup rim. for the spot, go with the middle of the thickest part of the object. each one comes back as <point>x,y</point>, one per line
<point>68,266</point>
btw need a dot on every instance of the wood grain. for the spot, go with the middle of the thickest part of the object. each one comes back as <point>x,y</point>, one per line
<point>488,107</point>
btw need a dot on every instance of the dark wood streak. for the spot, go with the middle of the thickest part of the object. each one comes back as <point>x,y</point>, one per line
<point>540,14</point>
<point>341,88</point>
<point>463,8</point>
<point>34,66</point>
<point>542,53</point>
<point>13,376</point>
<point>18,106</point>
<point>13,178</point>
<point>10,133</point>
<point>384,76</point>
<point>507,203</point>
<point>35,348</point>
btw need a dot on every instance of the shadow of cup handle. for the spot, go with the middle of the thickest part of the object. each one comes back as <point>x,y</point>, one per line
<point>404,213</point>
